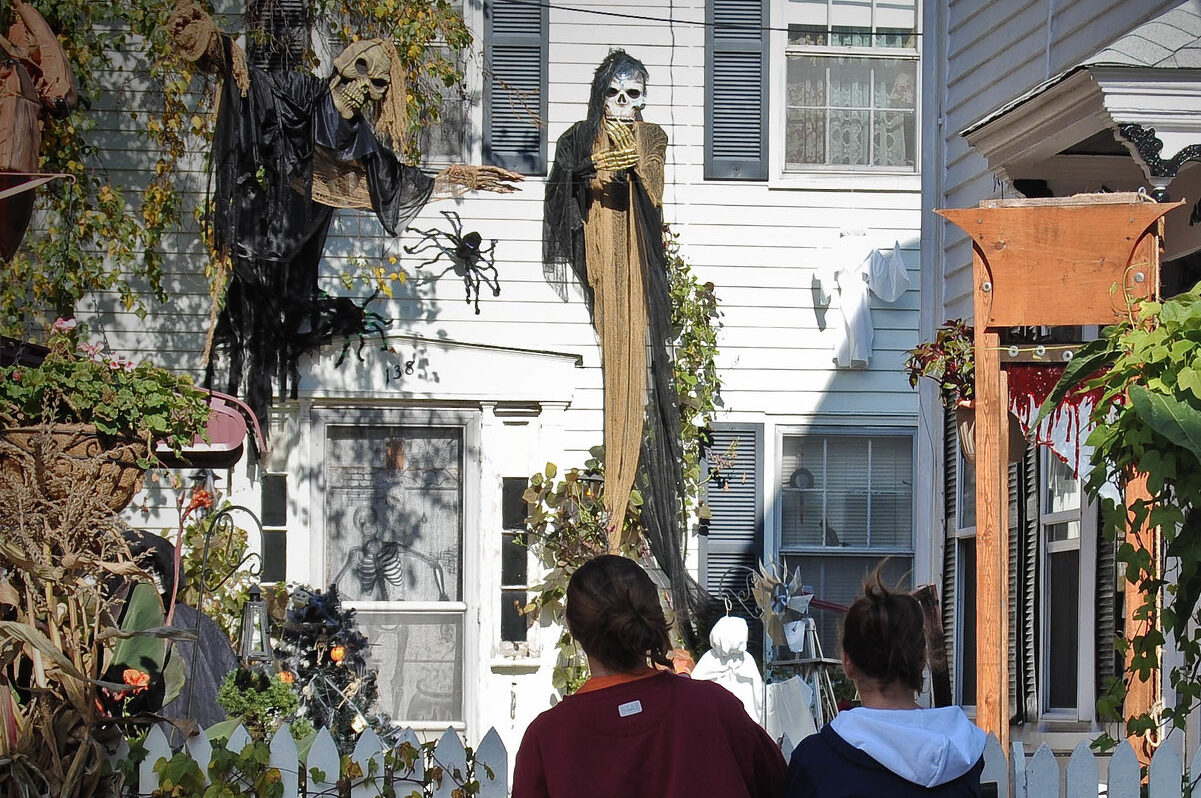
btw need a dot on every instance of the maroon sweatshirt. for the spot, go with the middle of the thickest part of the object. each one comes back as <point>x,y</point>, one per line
<point>665,736</point>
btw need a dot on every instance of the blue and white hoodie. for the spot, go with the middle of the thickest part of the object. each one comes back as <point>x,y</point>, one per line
<point>898,753</point>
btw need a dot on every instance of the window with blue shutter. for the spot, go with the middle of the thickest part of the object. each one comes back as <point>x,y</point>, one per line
<point>515,86</point>
<point>736,90</point>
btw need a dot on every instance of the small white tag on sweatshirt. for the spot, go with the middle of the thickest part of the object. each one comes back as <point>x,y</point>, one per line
<point>629,708</point>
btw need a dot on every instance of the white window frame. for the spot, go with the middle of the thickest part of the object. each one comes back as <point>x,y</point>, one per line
<point>474,667</point>
<point>776,494</point>
<point>1086,544</point>
<point>873,178</point>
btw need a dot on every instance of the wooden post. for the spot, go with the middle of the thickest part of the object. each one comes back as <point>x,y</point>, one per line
<point>1140,695</point>
<point>992,511</point>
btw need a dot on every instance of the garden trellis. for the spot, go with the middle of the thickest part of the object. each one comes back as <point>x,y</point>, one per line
<point>319,770</point>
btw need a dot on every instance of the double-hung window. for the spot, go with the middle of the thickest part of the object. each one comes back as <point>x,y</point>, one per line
<point>846,506</point>
<point>850,87</point>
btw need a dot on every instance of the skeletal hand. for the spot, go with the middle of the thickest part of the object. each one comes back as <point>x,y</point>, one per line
<point>622,153</point>
<point>480,178</point>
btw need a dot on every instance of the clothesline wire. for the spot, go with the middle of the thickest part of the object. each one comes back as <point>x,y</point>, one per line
<point>667,20</point>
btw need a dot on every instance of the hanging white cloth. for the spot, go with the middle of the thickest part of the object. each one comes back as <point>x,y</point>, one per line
<point>728,664</point>
<point>790,713</point>
<point>854,270</point>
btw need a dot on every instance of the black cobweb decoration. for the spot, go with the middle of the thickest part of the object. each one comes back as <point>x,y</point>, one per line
<point>468,256</point>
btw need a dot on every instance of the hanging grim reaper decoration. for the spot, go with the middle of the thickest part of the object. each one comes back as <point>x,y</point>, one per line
<point>603,222</point>
<point>288,148</point>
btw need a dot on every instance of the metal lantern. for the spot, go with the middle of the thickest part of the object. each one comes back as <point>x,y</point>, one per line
<point>593,483</point>
<point>255,638</point>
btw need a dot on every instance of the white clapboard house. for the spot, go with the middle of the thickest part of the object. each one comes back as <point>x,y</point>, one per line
<point>794,155</point>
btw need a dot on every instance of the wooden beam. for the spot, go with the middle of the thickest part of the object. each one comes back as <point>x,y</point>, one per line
<point>992,511</point>
<point>1140,695</point>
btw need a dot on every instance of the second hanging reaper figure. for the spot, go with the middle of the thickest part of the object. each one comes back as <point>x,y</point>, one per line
<point>603,221</point>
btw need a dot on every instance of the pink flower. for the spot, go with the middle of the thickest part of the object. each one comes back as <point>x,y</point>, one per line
<point>17,376</point>
<point>91,350</point>
<point>62,325</point>
<point>128,365</point>
<point>115,365</point>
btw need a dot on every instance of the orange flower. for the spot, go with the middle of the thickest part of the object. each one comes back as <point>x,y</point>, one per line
<point>337,653</point>
<point>136,679</point>
<point>286,677</point>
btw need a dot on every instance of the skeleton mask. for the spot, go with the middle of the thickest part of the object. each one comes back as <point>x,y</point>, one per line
<point>362,74</point>
<point>625,97</point>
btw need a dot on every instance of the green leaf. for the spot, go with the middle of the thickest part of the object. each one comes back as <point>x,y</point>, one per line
<point>1176,420</point>
<point>1090,358</point>
<point>1189,379</point>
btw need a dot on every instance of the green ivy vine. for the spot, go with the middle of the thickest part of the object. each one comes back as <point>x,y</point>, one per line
<point>1148,422</point>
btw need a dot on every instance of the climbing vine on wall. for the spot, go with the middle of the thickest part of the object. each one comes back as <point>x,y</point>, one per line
<point>107,229</point>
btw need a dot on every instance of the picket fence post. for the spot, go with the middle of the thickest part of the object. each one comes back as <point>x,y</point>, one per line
<point>322,757</point>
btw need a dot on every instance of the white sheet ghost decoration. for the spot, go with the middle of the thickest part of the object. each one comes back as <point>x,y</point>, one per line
<point>728,663</point>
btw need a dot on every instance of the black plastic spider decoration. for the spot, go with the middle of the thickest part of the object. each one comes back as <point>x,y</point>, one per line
<point>468,256</point>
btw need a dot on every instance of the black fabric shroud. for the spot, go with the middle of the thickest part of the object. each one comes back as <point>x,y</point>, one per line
<point>661,463</point>
<point>265,217</point>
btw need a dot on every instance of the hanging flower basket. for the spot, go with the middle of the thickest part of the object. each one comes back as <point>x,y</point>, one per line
<point>58,460</point>
<point>965,422</point>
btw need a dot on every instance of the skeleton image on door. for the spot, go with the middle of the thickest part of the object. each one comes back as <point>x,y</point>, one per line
<point>393,518</point>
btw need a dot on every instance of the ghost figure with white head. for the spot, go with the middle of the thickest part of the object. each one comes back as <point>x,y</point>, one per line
<point>626,96</point>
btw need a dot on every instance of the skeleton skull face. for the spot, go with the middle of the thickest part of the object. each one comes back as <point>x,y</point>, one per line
<point>362,73</point>
<point>625,97</point>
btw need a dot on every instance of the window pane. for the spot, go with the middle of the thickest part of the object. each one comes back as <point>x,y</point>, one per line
<point>513,625</point>
<point>851,13</point>
<point>1068,530</point>
<point>896,23</point>
<point>965,662</point>
<point>840,580</point>
<point>419,659</point>
<point>1063,489</point>
<point>275,555</point>
<point>967,493</point>
<point>393,513</point>
<point>513,508</point>
<point>275,500</point>
<point>810,13</point>
<point>514,562</point>
<point>895,130</point>
<point>807,35</point>
<point>1063,628</point>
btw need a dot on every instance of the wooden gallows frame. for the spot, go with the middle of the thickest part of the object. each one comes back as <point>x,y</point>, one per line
<point>1056,262</point>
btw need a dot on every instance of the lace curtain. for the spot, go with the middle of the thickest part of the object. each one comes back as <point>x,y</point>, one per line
<point>841,111</point>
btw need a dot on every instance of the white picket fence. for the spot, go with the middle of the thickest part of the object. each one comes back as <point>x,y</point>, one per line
<point>491,763</point>
<point>1039,776</point>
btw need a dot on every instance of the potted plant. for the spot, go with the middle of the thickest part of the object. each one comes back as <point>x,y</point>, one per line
<point>85,417</point>
<point>950,360</point>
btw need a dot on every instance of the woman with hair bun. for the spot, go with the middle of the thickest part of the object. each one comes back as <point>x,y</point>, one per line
<point>633,731</point>
<point>889,745</point>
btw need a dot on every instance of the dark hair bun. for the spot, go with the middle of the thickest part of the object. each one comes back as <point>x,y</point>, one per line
<point>613,612</point>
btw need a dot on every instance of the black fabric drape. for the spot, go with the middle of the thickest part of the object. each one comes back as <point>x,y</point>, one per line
<point>265,217</point>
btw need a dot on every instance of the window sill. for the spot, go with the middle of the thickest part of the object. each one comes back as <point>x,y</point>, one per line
<point>845,181</point>
<point>516,658</point>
